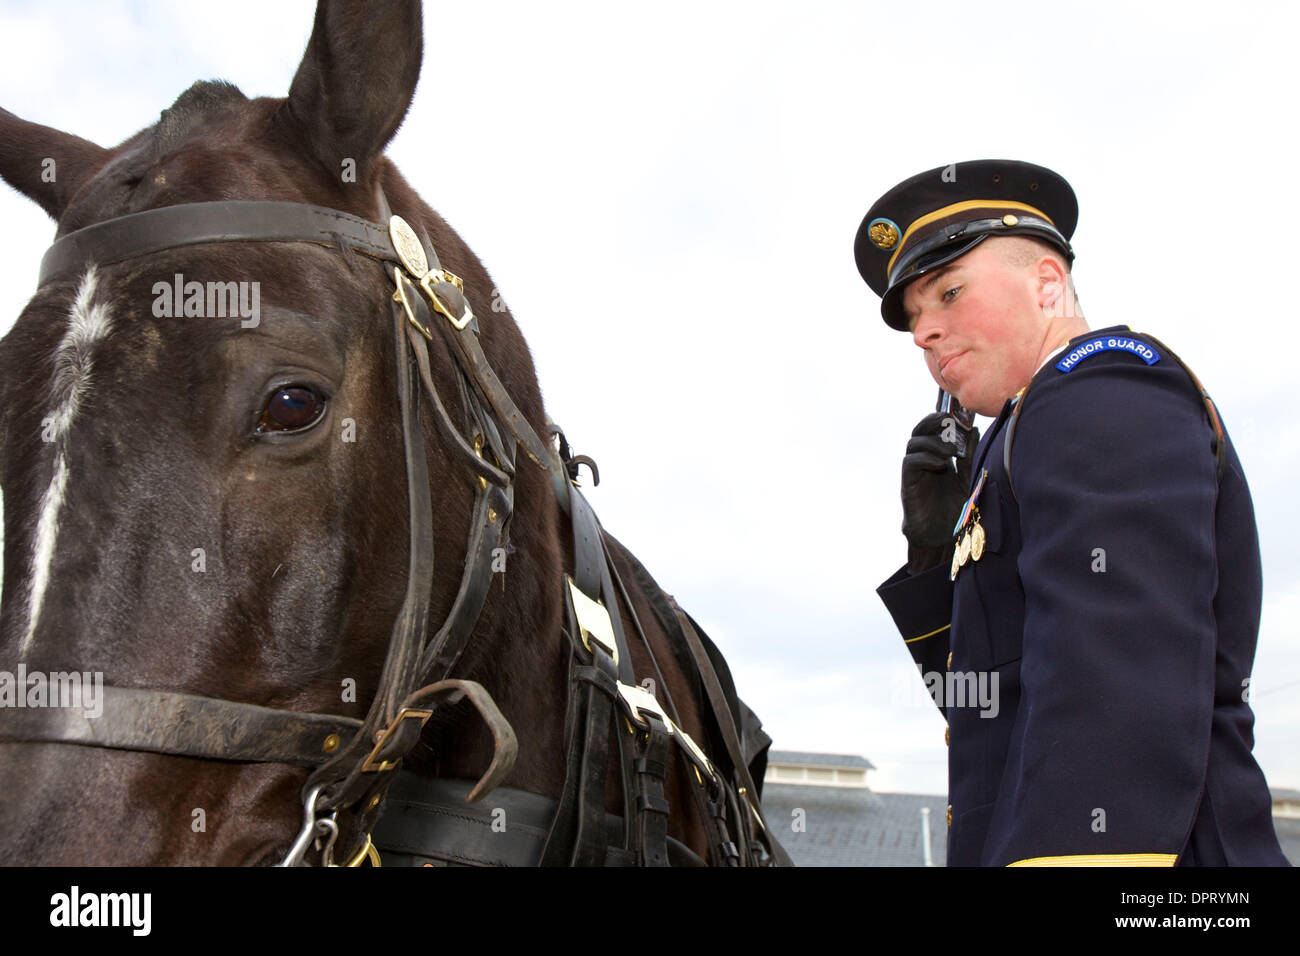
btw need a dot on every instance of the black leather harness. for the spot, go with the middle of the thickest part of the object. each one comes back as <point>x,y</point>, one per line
<point>356,762</point>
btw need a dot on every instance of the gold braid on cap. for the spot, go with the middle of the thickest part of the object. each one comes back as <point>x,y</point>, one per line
<point>955,208</point>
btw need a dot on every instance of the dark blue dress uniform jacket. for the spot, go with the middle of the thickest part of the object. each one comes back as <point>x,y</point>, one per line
<point>1118,605</point>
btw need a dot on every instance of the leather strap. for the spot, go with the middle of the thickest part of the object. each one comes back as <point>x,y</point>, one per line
<point>577,836</point>
<point>652,808</point>
<point>643,759</point>
<point>184,725</point>
<point>156,230</point>
<point>426,821</point>
<point>465,346</point>
<point>501,476</point>
<point>564,823</point>
<point>590,838</point>
<point>596,582</point>
<point>408,633</point>
<point>411,661</point>
<point>679,624</point>
<point>587,552</point>
<point>750,813</point>
<point>492,509</point>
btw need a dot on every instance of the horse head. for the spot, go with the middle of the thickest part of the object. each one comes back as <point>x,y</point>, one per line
<point>203,463</point>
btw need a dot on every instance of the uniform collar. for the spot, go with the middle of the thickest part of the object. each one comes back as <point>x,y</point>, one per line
<point>987,439</point>
<point>1048,359</point>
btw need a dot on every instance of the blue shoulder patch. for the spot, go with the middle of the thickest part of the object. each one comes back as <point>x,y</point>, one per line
<point>1108,343</point>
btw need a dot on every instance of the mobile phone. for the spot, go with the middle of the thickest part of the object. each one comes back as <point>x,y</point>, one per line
<point>964,416</point>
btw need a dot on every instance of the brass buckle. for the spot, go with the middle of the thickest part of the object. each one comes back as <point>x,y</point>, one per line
<point>411,253</point>
<point>427,282</point>
<point>593,621</point>
<point>639,699</point>
<point>400,296</point>
<point>372,764</point>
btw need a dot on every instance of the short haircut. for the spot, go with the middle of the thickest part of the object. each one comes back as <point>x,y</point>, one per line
<point>1023,251</point>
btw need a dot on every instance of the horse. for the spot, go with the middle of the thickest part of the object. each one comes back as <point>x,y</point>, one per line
<point>291,575</point>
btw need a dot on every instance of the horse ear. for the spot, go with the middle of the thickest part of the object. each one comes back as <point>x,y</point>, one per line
<point>44,164</point>
<point>356,80</point>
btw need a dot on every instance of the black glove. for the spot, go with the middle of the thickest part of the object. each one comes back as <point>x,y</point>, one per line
<point>934,489</point>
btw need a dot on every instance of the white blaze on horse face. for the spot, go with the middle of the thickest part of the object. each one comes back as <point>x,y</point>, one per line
<point>88,323</point>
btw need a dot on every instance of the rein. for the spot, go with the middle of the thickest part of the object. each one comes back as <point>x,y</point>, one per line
<point>354,760</point>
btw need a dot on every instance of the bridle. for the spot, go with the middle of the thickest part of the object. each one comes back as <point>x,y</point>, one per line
<point>353,760</point>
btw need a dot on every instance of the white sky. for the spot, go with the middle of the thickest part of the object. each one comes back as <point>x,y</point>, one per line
<point>668,198</point>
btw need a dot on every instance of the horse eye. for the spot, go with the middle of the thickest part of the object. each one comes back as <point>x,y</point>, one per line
<point>291,408</point>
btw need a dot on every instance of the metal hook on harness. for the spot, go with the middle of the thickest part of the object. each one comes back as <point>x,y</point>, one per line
<point>571,461</point>
<point>312,829</point>
<point>324,826</point>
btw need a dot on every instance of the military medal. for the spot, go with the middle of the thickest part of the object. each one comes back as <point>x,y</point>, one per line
<point>968,534</point>
<point>977,538</point>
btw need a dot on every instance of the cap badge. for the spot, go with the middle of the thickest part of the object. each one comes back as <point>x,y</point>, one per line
<point>883,232</point>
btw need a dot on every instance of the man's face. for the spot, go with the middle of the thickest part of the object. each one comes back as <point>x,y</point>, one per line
<point>981,325</point>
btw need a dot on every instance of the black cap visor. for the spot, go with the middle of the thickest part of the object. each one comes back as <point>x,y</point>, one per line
<point>915,266</point>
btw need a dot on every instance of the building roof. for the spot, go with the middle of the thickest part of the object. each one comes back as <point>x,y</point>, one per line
<point>1288,835</point>
<point>819,760</point>
<point>844,826</point>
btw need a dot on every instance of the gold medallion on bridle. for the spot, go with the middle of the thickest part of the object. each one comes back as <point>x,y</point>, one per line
<point>408,247</point>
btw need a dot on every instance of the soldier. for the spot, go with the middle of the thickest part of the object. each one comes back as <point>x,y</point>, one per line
<point>1083,587</point>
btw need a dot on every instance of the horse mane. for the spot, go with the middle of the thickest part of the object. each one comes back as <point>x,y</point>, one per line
<point>179,121</point>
